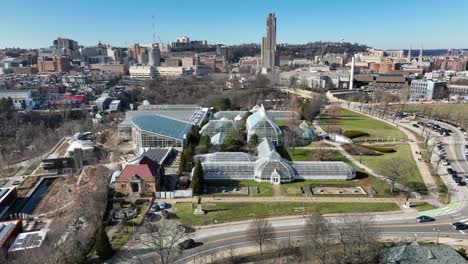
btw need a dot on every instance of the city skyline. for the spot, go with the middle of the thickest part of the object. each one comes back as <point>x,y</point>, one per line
<point>383,25</point>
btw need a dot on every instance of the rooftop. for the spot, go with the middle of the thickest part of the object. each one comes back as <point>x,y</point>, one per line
<point>144,171</point>
<point>161,125</point>
<point>420,254</point>
<point>6,228</point>
<point>28,240</point>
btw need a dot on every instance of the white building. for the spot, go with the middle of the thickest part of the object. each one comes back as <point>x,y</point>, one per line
<point>142,72</point>
<point>427,90</point>
<point>172,71</point>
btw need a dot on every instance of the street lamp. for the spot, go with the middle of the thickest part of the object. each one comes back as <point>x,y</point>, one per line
<point>438,233</point>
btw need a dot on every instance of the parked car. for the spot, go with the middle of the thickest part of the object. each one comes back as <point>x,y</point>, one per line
<point>462,183</point>
<point>416,125</point>
<point>459,226</point>
<point>457,179</point>
<point>445,162</point>
<point>163,205</point>
<point>424,218</point>
<point>154,208</point>
<point>450,170</point>
<point>168,215</point>
<point>189,243</point>
<point>15,182</point>
<point>185,228</point>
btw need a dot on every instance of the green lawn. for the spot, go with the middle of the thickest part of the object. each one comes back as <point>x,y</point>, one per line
<point>422,206</point>
<point>292,122</point>
<point>264,187</point>
<point>403,152</point>
<point>229,212</point>
<point>349,120</point>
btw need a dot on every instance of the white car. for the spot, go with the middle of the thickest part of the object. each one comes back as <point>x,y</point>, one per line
<point>445,162</point>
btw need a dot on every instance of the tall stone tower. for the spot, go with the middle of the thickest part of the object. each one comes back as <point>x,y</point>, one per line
<point>409,54</point>
<point>268,49</point>
<point>420,59</point>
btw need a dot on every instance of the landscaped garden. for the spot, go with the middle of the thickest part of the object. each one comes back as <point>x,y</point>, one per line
<point>264,188</point>
<point>221,212</point>
<point>402,152</point>
<point>350,120</point>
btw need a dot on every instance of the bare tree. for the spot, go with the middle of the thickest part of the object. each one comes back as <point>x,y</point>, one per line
<point>261,231</point>
<point>395,169</point>
<point>334,111</point>
<point>318,241</point>
<point>163,240</point>
<point>357,239</point>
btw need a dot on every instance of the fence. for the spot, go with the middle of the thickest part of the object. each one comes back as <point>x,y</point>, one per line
<point>174,194</point>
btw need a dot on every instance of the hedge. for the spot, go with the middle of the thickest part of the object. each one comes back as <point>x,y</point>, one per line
<point>354,133</point>
<point>379,149</point>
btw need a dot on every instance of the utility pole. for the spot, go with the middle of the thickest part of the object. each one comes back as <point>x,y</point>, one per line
<point>438,234</point>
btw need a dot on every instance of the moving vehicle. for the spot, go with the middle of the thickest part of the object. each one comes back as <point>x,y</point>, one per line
<point>189,243</point>
<point>459,226</point>
<point>424,218</point>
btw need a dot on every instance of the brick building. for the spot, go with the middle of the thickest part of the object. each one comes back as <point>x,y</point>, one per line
<point>141,178</point>
<point>53,64</point>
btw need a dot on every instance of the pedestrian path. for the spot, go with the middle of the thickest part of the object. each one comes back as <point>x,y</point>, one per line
<point>451,208</point>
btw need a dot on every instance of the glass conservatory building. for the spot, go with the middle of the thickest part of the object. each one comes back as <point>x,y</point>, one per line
<point>264,126</point>
<point>218,130</point>
<point>269,166</point>
<point>150,131</point>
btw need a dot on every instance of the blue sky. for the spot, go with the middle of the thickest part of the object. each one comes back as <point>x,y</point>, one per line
<point>378,23</point>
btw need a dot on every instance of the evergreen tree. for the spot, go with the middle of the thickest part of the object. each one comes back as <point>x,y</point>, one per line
<point>103,246</point>
<point>253,141</point>
<point>205,141</point>
<point>194,137</point>
<point>197,178</point>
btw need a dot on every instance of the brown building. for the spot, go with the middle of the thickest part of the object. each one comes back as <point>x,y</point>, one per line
<point>172,62</point>
<point>134,51</point>
<point>25,70</point>
<point>382,81</point>
<point>114,68</point>
<point>9,230</point>
<point>451,65</point>
<point>188,62</point>
<point>53,64</point>
<point>142,178</point>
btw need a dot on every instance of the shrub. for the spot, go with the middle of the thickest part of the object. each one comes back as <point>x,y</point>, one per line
<point>379,149</point>
<point>354,133</point>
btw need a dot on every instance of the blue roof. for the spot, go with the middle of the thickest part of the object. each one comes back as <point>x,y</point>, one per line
<point>161,125</point>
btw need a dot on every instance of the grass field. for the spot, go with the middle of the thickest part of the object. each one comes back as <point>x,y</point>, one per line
<point>349,120</point>
<point>403,151</point>
<point>452,112</point>
<point>314,155</point>
<point>422,206</point>
<point>217,213</point>
<point>291,122</point>
<point>264,187</point>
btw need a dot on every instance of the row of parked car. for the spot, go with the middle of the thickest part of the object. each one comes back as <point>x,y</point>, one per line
<point>443,131</point>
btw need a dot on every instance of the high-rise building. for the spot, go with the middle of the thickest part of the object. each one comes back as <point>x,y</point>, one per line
<point>154,56</point>
<point>268,52</point>
<point>66,47</point>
